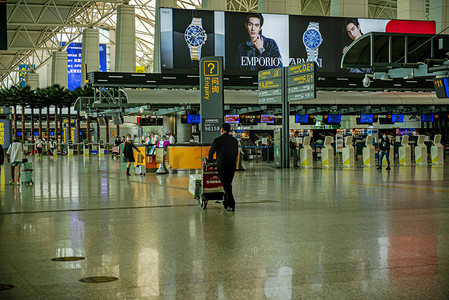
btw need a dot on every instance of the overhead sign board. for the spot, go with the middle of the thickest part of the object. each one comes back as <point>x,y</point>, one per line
<point>271,84</point>
<point>212,101</point>
<point>301,82</point>
<point>441,87</point>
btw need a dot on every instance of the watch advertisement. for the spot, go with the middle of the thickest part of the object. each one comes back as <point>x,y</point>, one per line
<point>250,42</point>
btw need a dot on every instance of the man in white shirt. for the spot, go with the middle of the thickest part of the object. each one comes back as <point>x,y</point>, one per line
<point>14,154</point>
<point>156,139</point>
<point>295,148</point>
<point>171,138</point>
<point>39,146</point>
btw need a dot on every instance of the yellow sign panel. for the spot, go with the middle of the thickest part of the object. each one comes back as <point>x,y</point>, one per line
<point>211,68</point>
<point>140,69</point>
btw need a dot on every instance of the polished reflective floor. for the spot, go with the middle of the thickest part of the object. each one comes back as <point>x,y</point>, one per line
<point>296,234</point>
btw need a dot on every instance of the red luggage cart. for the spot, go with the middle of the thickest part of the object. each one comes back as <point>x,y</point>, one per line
<point>211,188</point>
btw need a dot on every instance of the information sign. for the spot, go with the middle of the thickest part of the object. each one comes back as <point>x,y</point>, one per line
<point>271,84</point>
<point>441,87</point>
<point>5,132</point>
<point>212,103</point>
<point>301,82</point>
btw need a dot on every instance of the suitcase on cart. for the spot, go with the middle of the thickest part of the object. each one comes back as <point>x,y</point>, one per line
<point>26,173</point>
<point>211,187</point>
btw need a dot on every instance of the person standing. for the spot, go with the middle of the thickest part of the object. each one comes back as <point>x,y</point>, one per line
<point>128,153</point>
<point>14,154</point>
<point>226,148</point>
<point>39,147</point>
<point>295,148</point>
<point>171,138</point>
<point>384,146</point>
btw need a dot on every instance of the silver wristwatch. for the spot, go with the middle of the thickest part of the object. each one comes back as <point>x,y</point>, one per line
<point>312,40</point>
<point>195,37</point>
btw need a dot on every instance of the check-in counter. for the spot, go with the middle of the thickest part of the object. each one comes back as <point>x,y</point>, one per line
<point>186,156</point>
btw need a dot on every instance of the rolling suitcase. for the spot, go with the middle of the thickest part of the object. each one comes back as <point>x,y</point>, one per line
<point>140,168</point>
<point>26,173</point>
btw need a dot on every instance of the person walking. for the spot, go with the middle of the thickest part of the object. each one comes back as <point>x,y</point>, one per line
<point>14,155</point>
<point>128,153</point>
<point>226,148</point>
<point>384,146</point>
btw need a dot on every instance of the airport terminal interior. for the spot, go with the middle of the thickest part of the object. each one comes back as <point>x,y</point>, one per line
<point>341,113</point>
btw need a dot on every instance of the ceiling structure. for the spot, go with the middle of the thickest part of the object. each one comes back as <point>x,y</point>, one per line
<point>36,28</point>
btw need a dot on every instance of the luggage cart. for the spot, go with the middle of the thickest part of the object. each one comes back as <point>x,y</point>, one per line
<point>116,152</point>
<point>211,188</point>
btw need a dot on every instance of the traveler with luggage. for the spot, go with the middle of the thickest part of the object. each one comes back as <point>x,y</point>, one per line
<point>226,147</point>
<point>128,153</point>
<point>14,155</point>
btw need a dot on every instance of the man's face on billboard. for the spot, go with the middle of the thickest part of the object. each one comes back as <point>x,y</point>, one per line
<point>353,31</point>
<point>253,27</point>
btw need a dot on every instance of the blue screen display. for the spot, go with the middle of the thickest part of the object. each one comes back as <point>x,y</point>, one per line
<point>302,119</point>
<point>427,118</point>
<point>397,118</point>
<point>193,119</point>
<point>334,119</point>
<point>74,63</point>
<point>366,118</point>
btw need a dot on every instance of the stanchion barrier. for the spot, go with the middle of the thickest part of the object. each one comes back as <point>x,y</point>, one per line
<point>348,153</point>
<point>306,153</point>
<point>327,153</point>
<point>421,151</point>
<point>369,153</point>
<point>437,150</point>
<point>405,152</point>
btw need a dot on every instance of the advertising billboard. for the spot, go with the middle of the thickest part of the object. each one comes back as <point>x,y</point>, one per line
<point>250,42</point>
<point>74,61</point>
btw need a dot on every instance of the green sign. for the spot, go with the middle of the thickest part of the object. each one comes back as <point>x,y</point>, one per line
<point>301,88</point>
<point>212,102</point>
<point>271,100</point>
<point>302,96</point>
<point>271,85</point>
<point>301,79</point>
<point>270,74</point>
<point>301,69</point>
<point>301,82</point>
<point>267,93</point>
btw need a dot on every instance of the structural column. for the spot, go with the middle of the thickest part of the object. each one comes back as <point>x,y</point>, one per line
<point>439,12</point>
<point>169,124</point>
<point>59,74</point>
<point>157,35</point>
<point>125,40</point>
<point>411,9</point>
<point>90,54</point>
<point>349,8</point>
<point>291,7</point>
<point>183,131</point>
<point>32,80</point>
<point>214,5</point>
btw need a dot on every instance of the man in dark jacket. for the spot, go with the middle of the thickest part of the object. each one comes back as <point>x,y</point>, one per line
<point>226,147</point>
<point>384,146</point>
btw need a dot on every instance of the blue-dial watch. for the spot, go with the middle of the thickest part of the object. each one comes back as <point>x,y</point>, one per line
<point>195,37</point>
<point>312,40</point>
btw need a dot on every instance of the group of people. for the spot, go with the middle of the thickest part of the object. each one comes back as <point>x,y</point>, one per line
<point>224,147</point>
<point>44,144</point>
